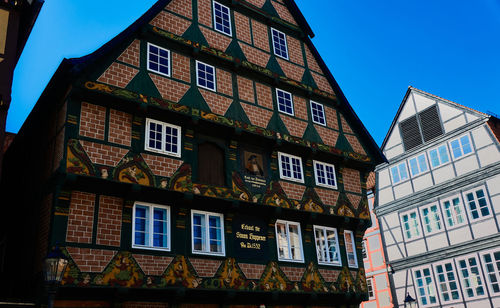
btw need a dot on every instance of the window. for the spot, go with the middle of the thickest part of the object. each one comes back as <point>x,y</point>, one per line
<point>350,249</point>
<point>477,203</point>
<point>410,225</point>
<point>325,174</point>
<point>207,233</point>
<point>439,156</point>
<point>399,173</point>
<point>453,212</point>
<point>279,43</point>
<point>205,76</point>
<point>492,270</point>
<point>461,146</point>
<point>211,164</point>
<point>471,278</point>
<point>327,246</point>
<point>431,218</point>
<point>151,226</point>
<point>425,286</point>
<point>289,241</point>
<point>285,102</point>
<point>222,18</point>
<point>364,250</point>
<point>447,282</point>
<point>163,138</point>
<point>318,113</point>
<point>369,285</point>
<point>418,165</point>
<point>158,60</point>
<point>290,167</point>
<point>371,199</point>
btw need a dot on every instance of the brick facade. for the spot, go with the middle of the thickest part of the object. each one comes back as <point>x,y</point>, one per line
<point>322,83</point>
<point>284,13</point>
<point>81,218</point>
<point>327,196</point>
<point>354,199</point>
<point>205,267</point>
<point>311,61</point>
<point>264,95</point>
<point>162,165</point>
<point>131,55</point>
<point>184,8</point>
<point>260,35</point>
<point>242,25</point>
<point>109,223</point>
<point>215,39</point>
<point>181,67</point>
<point>245,89</point>
<point>291,70</point>
<point>258,116</point>
<point>356,146</point>
<point>153,265</point>
<point>217,103</point>
<point>255,55</point>
<point>295,50</point>
<point>92,121</point>
<point>171,23</point>
<point>252,271</point>
<point>293,191</point>
<point>293,273</point>
<point>328,136</point>
<point>331,118</point>
<point>257,3</point>
<point>345,126</point>
<point>300,107</point>
<point>224,82</point>
<point>295,127</point>
<point>103,154</point>
<point>91,260</point>
<point>118,75</point>
<point>205,12</point>
<point>169,89</point>
<point>120,127</point>
<point>329,275</point>
<point>352,180</point>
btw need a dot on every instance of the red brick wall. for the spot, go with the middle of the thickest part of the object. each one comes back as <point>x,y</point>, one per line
<point>80,218</point>
<point>169,89</point>
<point>284,13</point>
<point>171,23</point>
<point>257,3</point>
<point>291,71</point>
<point>264,95</point>
<point>331,118</point>
<point>91,260</point>
<point>92,121</point>
<point>255,55</point>
<point>252,271</point>
<point>153,265</point>
<point>293,273</point>
<point>245,89</point>
<point>242,27</point>
<point>295,50</point>
<point>328,136</point>
<point>293,191</point>
<point>354,199</point>
<point>322,83</point>
<point>224,82</point>
<point>352,180</point>
<point>295,127</point>
<point>205,12</point>
<point>118,75</point>
<point>356,146</point>
<point>311,61</point>
<point>110,221</point>
<point>204,267</point>
<point>215,39</point>
<point>120,127</point>
<point>329,275</point>
<point>260,35</point>
<point>327,196</point>
<point>217,103</point>
<point>162,165</point>
<point>258,116</point>
<point>181,7</point>
<point>300,107</point>
<point>103,154</point>
<point>345,126</point>
<point>181,67</point>
<point>131,55</point>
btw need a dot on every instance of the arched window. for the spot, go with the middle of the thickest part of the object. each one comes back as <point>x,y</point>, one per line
<point>211,164</point>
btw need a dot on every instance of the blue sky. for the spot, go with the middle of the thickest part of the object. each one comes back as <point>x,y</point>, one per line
<point>375,50</point>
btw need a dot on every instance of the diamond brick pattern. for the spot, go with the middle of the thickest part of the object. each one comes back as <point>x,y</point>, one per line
<point>118,75</point>
<point>293,191</point>
<point>153,265</point>
<point>352,180</point>
<point>354,199</point>
<point>103,154</point>
<point>91,260</point>
<point>327,196</point>
<point>162,165</point>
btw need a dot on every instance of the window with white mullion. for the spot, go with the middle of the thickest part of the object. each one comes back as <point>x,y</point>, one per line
<point>425,286</point>
<point>158,60</point>
<point>399,173</point>
<point>453,212</point>
<point>447,282</point>
<point>439,156</point>
<point>289,241</point>
<point>151,225</point>
<point>418,165</point>
<point>207,231</point>
<point>411,225</point>
<point>279,43</point>
<point>491,264</point>
<point>318,113</point>
<point>461,146</point>
<point>285,102</point>
<point>431,218</point>
<point>290,167</point>
<point>222,18</point>
<point>205,76</point>
<point>369,285</point>
<point>325,174</point>
<point>471,277</point>
<point>163,138</point>
<point>327,245</point>
<point>477,203</point>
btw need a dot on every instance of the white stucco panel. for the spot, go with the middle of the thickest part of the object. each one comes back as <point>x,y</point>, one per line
<point>381,282</point>
<point>416,247</point>
<point>471,117</point>
<point>394,152</point>
<point>436,241</point>
<point>489,155</point>
<point>408,109</point>
<point>454,123</point>
<point>484,228</point>
<point>394,138</point>
<point>393,253</point>
<point>422,102</point>
<point>422,182</point>
<point>391,220</point>
<point>384,179</point>
<point>403,190</point>
<point>448,112</point>
<point>459,235</point>
<point>466,165</point>
<point>496,203</point>
<point>443,174</point>
<point>373,243</point>
<point>393,236</point>
<point>481,137</point>
<point>385,196</point>
<point>384,300</point>
<point>494,185</point>
<point>377,259</point>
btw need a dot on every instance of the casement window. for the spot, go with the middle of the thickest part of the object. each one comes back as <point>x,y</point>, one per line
<point>453,212</point>
<point>285,101</point>
<point>439,156</point>
<point>470,276</point>
<point>425,286</point>
<point>222,18</point>
<point>399,173</point>
<point>205,76</point>
<point>279,43</point>
<point>431,219</point>
<point>325,175</point>
<point>290,167</point>
<point>318,113</point>
<point>163,138</point>
<point>491,263</point>
<point>158,60</point>
<point>151,226</point>
<point>350,248</point>
<point>207,233</point>
<point>289,241</point>
<point>371,291</point>
<point>411,225</point>
<point>461,146</point>
<point>418,165</point>
<point>364,250</point>
<point>477,203</point>
<point>447,282</point>
<point>327,246</point>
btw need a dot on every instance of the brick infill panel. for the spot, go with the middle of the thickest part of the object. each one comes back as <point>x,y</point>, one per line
<point>322,83</point>
<point>80,218</point>
<point>215,39</point>
<point>181,67</point>
<point>92,121</point>
<point>311,61</point>
<point>131,54</point>
<point>245,89</point>
<point>204,267</point>
<point>291,70</point>
<point>295,127</point>
<point>331,118</point>
<point>284,13</point>
<point>120,127</point>
<point>327,196</point>
<point>153,265</point>
<point>252,271</point>
<point>295,50</point>
<point>264,96</point>
<point>169,89</point>
<point>352,181</point>
<point>293,191</point>
<point>356,146</point>
<point>258,116</point>
<point>218,104</point>
<point>329,275</point>
<point>171,23</point>
<point>205,12</point>
<point>345,126</point>
<point>184,8</point>
<point>91,260</point>
<point>103,154</point>
<point>260,35</point>
<point>257,3</point>
<point>242,24</point>
<point>162,165</point>
<point>224,82</point>
<point>255,55</point>
<point>354,199</point>
<point>118,75</point>
<point>328,136</point>
<point>300,107</point>
<point>293,273</point>
<point>109,223</point>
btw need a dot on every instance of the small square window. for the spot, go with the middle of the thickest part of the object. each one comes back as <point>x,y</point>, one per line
<point>418,165</point>
<point>158,60</point>
<point>369,285</point>
<point>399,173</point>
<point>453,212</point>
<point>151,226</point>
<point>461,146</point>
<point>289,241</point>
<point>207,233</point>
<point>279,43</point>
<point>350,248</point>
<point>222,18</point>
<point>411,226</point>
<point>325,174</point>
<point>439,156</point>
<point>205,76</point>
<point>327,246</point>
<point>431,219</point>
<point>290,167</point>
<point>318,113</point>
<point>285,102</point>
<point>163,138</point>
<point>477,203</point>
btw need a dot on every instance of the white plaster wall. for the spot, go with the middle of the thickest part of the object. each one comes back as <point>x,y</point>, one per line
<point>471,117</point>
<point>466,165</point>
<point>422,102</point>
<point>436,241</point>
<point>384,300</point>
<point>495,202</point>
<point>489,155</point>
<point>394,152</point>
<point>381,282</point>
<point>384,178</point>
<point>408,110</point>
<point>484,228</point>
<point>385,196</point>
<point>422,182</point>
<point>494,185</point>
<point>416,247</point>
<point>479,303</point>
<point>443,174</point>
<point>373,243</point>
<point>403,190</point>
<point>394,138</point>
<point>455,305</point>
<point>454,123</point>
<point>448,112</point>
<point>393,236</point>
<point>496,301</point>
<point>372,304</point>
<point>393,253</point>
<point>481,137</point>
<point>392,220</point>
<point>459,235</point>
<point>377,259</point>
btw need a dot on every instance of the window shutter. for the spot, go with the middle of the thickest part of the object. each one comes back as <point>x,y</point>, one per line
<point>410,133</point>
<point>211,164</point>
<point>430,123</point>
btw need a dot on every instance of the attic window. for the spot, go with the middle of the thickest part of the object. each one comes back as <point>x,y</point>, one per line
<point>422,127</point>
<point>279,43</point>
<point>222,18</point>
<point>158,60</point>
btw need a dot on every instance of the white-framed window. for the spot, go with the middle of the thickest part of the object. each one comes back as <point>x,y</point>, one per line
<point>470,275</point>
<point>425,286</point>
<point>439,156</point>
<point>207,233</point>
<point>447,282</point>
<point>461,146</point>
<point>325,174</point>
<point>453,212</point>
<point>364,250</point>
<point>159,60</point>
<point>151,226</point>
<point>285,101</point>
<point>290,167</point>
<point>411,226</point>
<point>477,203</point>
<point>431,219</point>
<point>318,113</point>
<point>350,248</point>
<point>418,164</point>
<point>205,76</point>
<point>399,173</point>
<point>371,291</point>
<point>491,266</point>
<point>279,43</point>
<point>327,246</point>
<point>163,138</point>
<point>222,18</point>
<point>289,241</point>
